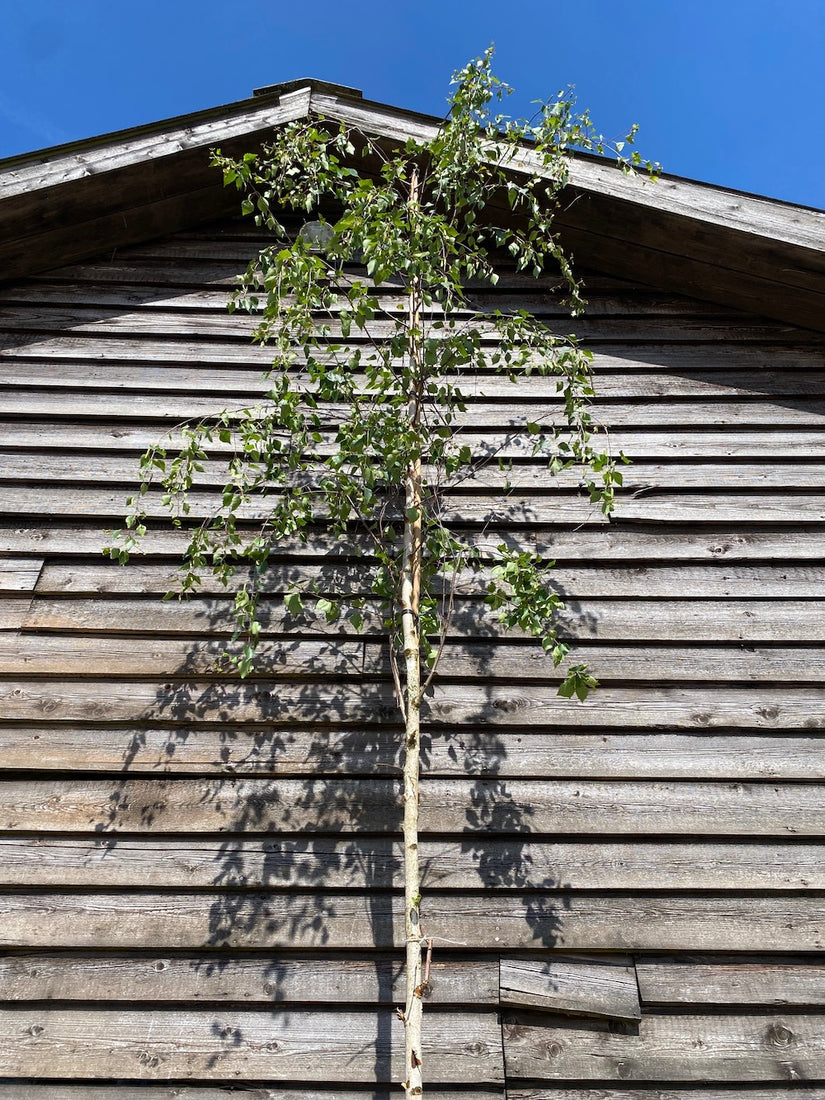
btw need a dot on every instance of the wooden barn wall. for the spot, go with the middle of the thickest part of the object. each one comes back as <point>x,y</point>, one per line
<point>200,877</point>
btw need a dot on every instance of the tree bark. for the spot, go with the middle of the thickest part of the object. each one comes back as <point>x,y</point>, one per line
<point>410,603</point>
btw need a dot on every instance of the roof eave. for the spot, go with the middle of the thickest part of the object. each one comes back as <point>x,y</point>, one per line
<point>73,202</point>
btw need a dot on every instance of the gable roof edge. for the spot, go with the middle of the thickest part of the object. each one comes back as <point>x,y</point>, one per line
<point>72,202</point>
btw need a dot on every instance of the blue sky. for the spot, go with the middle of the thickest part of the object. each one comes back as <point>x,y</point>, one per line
<point>727,91</point>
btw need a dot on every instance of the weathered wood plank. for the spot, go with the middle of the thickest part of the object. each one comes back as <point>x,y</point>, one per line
<point>90,656</point>
<point>680,442</point>
<point>463,806</point>
<point>753,508</point>
<point>615,377</point>
<point>115,285</point>
<point>654,1092</point>
<point>663,620</point>
<point>650,707</point>
<point>356,702</point>
<point>140,146</point>
<point>606,755</point>
<point>181,750</point>
<point>98,319</point>
<point>109,505</point>
<point>694,620</point>
<point>85,1091</point>
<point>605,545</point>
<point>578,987</point>
<point>520,921</point>
<point>755,982</point>
<point>13,614</point>
<point>170,409</point>
<point>557,507</point>
<point>770,363</point>
<point>294,1044</point>
<point>94,655</point>
<point>19,574</point>
<point>376,863</point>
<point>670,1048</point>
<point>109,469</point>
<point>175,275</point>
<point>711,579</point>
<point>243,979</point>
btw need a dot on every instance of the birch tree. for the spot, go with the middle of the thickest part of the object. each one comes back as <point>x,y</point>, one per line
<point>360,425</point>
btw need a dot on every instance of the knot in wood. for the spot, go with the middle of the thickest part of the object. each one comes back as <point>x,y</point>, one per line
<point>476,1048</point>
<point>508,705</point>
<point>780,1035</point>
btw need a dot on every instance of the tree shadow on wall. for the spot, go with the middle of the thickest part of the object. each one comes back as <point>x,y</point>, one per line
<point>295,811</point>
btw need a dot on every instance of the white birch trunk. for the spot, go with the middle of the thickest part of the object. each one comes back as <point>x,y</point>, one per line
<point>410,601</point>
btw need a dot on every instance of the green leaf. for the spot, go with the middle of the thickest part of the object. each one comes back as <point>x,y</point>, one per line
<point>328,608</point>
<point>294,603</point>
<point>342,422</point>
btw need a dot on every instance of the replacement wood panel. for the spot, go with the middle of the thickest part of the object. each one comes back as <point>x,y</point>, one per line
<point>576,987</point>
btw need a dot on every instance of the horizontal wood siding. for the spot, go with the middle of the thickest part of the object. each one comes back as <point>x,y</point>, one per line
<point>200,878</point>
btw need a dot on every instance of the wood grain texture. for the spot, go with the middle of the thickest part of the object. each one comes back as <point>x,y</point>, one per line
<point>707,1049</point>
<point>238,850</point>
<point>168,409</point>
<point>756,508</point>
<point>256,806</point>
<point>684,443</point>
<point>600,546</point>
<point>99,320</point>
<point>287,1045</point>
<point>653,1092</point>
<point>19,574</point>
<point>156,750</point>
<point>356,703</point>
<point>674,982</point>
<point>129,286</point>
<point>575,987</point>
<point>518,922</point>
<point>302,657</point>
<point>375,864</point>
<point>665,620</point>
<point>88,1091</point>
<point>327,979</point>
<point>641,477</point>
<point>714,579</point>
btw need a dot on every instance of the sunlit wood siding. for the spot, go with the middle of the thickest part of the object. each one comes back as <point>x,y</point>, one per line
<point>201,876</point>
